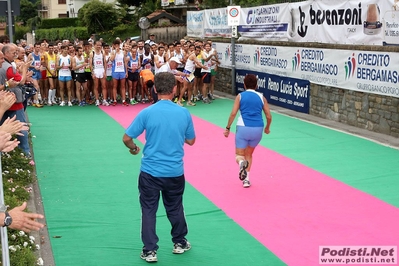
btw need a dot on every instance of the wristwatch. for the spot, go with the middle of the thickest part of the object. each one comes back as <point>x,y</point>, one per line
<point>7,219</point>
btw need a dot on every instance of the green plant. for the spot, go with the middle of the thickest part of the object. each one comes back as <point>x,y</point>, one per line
<point>69,33</point>
<point>20,31</point>
<point>59,23</point>
<point>17,173</point>
<point>122,31</point>
<point>99,16</point>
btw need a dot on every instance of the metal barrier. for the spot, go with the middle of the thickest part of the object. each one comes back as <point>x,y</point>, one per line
<point>4,237</point>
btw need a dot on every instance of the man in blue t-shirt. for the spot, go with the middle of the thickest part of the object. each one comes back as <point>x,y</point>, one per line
<point>168,126</point>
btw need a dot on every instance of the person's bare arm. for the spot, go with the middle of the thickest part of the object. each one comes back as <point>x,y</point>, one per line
<point>128,141</point>
<point>268,115</point>
<point>232,116</point>
<point>190,141</point>
<point>22,220</point>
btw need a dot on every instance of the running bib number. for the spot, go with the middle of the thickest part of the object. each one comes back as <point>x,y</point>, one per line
<point>119,66</point>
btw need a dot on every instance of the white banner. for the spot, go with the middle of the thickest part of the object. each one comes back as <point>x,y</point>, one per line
<point>266,23</point>
<point>339,21</point>
<point>195,23</point>
<point>370,72</point>
<point>215,23</point>
<point>368,22</point>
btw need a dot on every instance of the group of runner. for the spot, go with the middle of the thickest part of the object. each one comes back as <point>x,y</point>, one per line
<point>93,72</point>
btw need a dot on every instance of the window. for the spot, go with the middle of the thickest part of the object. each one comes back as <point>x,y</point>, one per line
<point>62,2</point>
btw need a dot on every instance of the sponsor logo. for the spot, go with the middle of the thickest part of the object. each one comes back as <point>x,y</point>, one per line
<point>312,60</point>
<point>227,53</point>
<point>376,67</point>
<point>257,56</point>
<point>195,16</point>
<point>218,18</point>
<point>350,66</point>
<point>263,15</point>
<point>268,56</point>
<point>333,17</point>
<point>296,60</point>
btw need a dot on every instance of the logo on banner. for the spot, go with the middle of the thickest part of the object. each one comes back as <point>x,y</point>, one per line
<point>257,56</point>
<point>263,15</point>
<point>376,67</point>
<point>195,17</point>
<point>350,66</point>
<point>333,17</point>
<point>312,60</point>
<point>296,60</point>
<point>218,18</point>
<point>268,56</point>
<point>227,53</point>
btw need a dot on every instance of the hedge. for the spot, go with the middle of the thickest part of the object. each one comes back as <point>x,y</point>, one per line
<point>59,23</point>
<point>69,33</point>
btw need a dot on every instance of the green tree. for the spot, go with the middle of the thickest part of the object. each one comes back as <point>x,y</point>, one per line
<point>29,10</point>
<point>146,8</point>
<point>98,16</point>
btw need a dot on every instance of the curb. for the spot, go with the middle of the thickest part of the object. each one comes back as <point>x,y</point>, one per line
<point>35,204</point>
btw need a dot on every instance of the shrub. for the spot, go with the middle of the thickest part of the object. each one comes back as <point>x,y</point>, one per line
<point>20,31</point>
<point>69,33</point>
<point>17,179</point>
<point>59,23</point>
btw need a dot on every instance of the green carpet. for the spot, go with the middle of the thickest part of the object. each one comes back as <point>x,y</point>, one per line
<point>360,163</point>
<point>88,182</point>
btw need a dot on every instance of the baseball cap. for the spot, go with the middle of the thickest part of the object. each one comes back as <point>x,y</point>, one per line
<point>175,59</point>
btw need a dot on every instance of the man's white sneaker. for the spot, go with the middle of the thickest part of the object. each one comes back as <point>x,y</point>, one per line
<point>62,103</point>
<point>69,104</point>
<point>179,248</point>
<point>149,256</point>
<point>97,102</point>
<point>105,103</point>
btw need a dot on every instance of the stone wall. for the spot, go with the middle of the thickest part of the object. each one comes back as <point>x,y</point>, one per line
<point>368,111</point>
<point>364,110</point>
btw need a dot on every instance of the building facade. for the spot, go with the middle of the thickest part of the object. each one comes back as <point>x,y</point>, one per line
<point>62,8</point>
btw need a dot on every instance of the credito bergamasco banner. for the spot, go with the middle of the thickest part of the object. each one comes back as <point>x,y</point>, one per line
<point>365,71</point>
